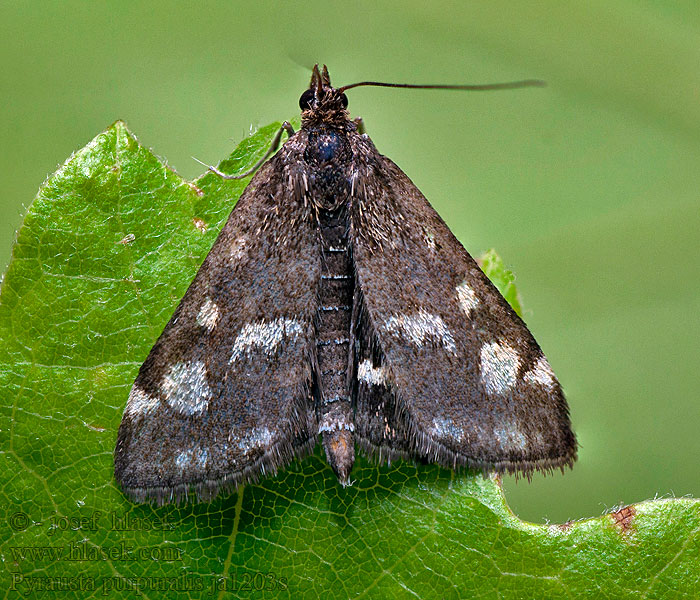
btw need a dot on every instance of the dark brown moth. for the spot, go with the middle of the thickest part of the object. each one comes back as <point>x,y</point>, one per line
<point>337,303</point>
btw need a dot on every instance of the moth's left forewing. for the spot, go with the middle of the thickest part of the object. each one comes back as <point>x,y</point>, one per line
<point>224,396</point>
<point>467,381</point>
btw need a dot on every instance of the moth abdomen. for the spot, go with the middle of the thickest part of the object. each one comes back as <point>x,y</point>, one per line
<point>335,411</point>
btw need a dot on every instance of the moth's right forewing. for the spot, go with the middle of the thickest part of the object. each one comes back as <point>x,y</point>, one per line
<point>470,386</point>
<point>224,394</point>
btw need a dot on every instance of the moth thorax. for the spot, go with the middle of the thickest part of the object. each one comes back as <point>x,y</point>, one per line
<point>328,155</point>
<point>327,145</point>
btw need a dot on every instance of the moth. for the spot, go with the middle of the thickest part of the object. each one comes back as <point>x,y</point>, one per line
<point>336,303</point>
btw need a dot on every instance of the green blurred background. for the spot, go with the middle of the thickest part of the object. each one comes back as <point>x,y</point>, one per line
<point>588,188</point>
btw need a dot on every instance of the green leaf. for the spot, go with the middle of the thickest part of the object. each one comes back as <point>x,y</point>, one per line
<point>492,264</point>
<point>106,251</point>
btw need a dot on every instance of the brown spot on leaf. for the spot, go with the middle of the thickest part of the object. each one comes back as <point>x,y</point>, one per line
<point>623,518</point>
<point>565,526</point>
<point>199,224</point>
<point>127,239</point>
<point>195,189</point>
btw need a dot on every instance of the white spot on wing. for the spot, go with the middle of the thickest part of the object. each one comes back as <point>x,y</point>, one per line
<point>420,327</point>
<point>369,374</point>
<point>499,367</point>
<point>183,459</point>
<point>510,437</point>
<point>540,374</point>
<point>238,248</point>
<point>259,437</point>
<point>192,457</point>
<point>446,428</point>
<point>467,298</point>
<point>208,314</point>
<point>265,335</point>
<point>186,389</point>
<point>140,403</point>
<point>202,458</point>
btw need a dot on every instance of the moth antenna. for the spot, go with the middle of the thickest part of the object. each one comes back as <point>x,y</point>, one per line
<point>478,87</point>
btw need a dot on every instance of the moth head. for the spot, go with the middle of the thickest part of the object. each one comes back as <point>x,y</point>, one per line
<point>321,98</point>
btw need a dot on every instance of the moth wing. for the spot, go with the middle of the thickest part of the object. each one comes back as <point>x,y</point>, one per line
<point>224,394</point>
<point>447,371</point>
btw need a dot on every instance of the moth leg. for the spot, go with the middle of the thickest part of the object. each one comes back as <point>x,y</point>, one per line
<point>360,124</point>
<point>286,126</point>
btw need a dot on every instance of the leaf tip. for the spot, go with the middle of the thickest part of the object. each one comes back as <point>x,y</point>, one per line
<point>493,267</point>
